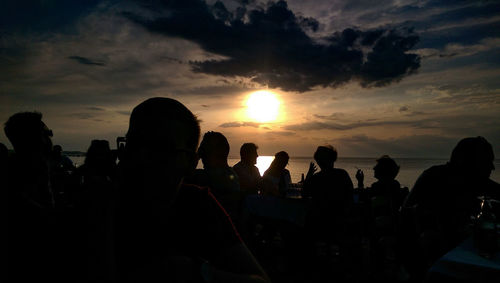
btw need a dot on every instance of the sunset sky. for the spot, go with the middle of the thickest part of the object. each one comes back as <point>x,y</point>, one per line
<point>404,78</point>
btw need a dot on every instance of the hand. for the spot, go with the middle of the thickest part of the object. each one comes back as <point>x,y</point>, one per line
<point>312,170</point>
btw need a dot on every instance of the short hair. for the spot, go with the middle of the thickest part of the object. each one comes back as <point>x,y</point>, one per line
<point>214,143</point>
<point>22,127</point>
<point>282,155</point>
<point>326,153</point>
<point>387,167</point>
<point>468,149</point>
<point>145,116</point>
<point>97,149</point>
<point>247,148</point>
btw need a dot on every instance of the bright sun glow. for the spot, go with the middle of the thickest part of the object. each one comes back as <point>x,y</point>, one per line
<point>263,106</point>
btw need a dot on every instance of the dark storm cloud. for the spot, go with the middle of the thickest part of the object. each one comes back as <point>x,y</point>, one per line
<point>239,124</point>
<point>271,46</point>
<point>85,61</point>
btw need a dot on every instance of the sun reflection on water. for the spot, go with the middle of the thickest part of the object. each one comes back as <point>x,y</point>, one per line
<point>263,163</point>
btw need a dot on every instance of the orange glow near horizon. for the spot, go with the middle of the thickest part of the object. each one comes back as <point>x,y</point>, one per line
<point>263,106</point>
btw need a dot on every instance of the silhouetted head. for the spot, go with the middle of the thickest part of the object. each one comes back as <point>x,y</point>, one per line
<point>248,153</point>
<point>99,155</point>
<point>386,169</point>
<point>161,145</point>
<point>57,150</point>
<point>279,163</point>
<point>214,149</point>
<point>28,134</point>
<point>325,156</point>
<point>473,157</point>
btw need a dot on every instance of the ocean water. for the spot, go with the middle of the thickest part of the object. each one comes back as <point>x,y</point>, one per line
<point>410,168</point>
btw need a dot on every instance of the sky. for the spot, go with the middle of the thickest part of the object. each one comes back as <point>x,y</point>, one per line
<point>403,78</point>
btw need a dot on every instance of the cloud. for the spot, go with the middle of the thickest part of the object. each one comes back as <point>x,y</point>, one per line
<point>95,108</point>
<point>281,133</point>
<point>459,50</point>
<point>333,116</point>
<point>86,61</point>
<point>430,146</point>
<point>317,125</point>
<point>122,112</point>
<point>271,46</point>
<point>82,116</point>
<point>35,16</point>
<point>239,124</point>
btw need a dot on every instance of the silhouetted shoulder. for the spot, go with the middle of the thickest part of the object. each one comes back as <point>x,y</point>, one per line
<point>493,189</point>
<point>198,212</point>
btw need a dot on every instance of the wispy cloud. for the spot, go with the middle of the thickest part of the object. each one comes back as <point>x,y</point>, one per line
<point>86,61</point>
<point>239,124</point>
<point>460,50</point>
<point>318,125</point>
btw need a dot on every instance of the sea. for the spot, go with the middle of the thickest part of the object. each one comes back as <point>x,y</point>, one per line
<point>410,168</point>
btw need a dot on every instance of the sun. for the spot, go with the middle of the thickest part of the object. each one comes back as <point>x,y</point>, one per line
<point>263,106</point>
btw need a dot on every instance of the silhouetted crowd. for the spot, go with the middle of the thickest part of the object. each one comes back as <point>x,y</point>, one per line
<point>144,213</point>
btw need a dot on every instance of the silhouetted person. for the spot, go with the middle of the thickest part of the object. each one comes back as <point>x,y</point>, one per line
<point>385,198</point>
<point>30,200</point>
<point>444,198</point>
<point>331,192</point>
<point>60,160</point>
<point>248,173</point>
<point>216,173</point>
<point>276,179</point>
<point>167,231</point>
<point>386,195</point>
<point>99,166</point>
<point>93,204</point>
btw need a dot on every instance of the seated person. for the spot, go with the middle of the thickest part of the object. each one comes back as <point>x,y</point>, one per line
<point>216,173</point>
<point>385,198</point>
<point>60,160</point>
<point>385,195</point>
<point>248,173</point>
<point>445,197</point>
<point>331,191</point>
<point>277,179</point>
<point>166,230</point>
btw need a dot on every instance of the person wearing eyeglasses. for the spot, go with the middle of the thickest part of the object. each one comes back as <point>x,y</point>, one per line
<point>167,230</point>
